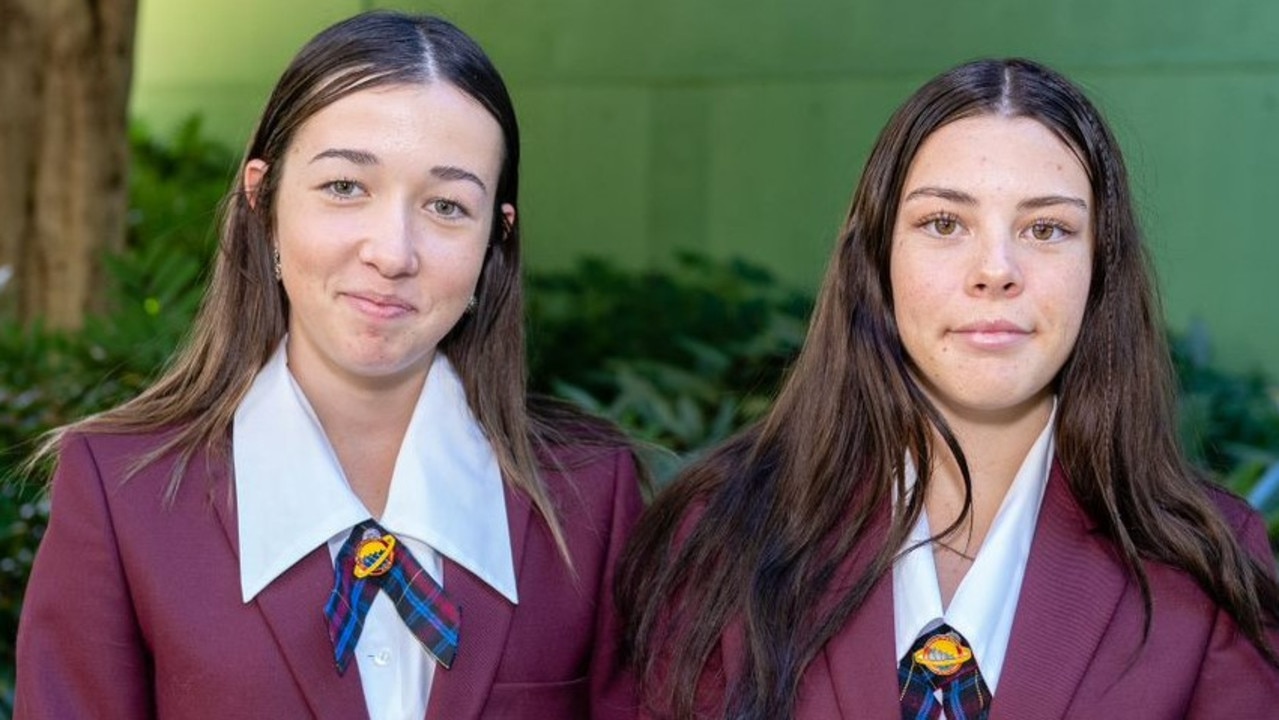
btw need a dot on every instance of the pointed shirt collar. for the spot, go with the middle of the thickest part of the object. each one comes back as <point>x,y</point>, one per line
<point>292,496</point>
<point>983,606</point>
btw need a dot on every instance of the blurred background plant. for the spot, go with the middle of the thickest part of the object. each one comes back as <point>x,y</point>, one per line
<point>48,378</point>
<point>1229,423</point>
<point>679,357</point>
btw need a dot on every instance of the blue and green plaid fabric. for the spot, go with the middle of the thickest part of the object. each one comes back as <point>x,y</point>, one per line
<point>964,695</point>
<point>420,601</point>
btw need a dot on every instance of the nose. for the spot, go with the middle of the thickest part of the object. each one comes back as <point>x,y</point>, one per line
<point>995,269</point>
<point>390,241</point>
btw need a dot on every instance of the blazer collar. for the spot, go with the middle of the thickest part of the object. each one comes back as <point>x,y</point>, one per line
<point>292,497</point>
<point>302,637</point>
<point>293,608</point>
<point>1072,586</point>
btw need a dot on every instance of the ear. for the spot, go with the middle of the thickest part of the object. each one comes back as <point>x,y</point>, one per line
<point>508,219</point>
<point>254,173</point>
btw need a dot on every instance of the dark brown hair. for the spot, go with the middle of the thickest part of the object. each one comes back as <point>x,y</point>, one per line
<point>243,315</point>
<point>754,534</point>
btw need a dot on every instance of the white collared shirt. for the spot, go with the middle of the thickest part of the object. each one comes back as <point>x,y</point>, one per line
<point>446,499</point>
<point>983,607</point>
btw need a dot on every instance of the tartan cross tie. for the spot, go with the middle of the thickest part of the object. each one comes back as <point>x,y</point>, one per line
<point>942,661</point>
<point>371,560</point>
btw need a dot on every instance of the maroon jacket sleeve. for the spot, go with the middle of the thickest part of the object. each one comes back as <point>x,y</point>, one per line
<point>80,652</point>
<point>1235,681</point>
<point>612,687</point>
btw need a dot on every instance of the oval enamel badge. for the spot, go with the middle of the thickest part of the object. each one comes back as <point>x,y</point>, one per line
<point>373,557</point>
<point>943,654</point>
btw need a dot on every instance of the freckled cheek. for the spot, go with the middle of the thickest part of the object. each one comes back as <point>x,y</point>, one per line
<point>1067,304</point>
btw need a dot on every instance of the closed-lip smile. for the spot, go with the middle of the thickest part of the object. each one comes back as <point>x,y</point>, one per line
<point>380,305</point>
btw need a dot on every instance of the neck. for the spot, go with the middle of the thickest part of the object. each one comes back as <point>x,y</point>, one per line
<point>365,423</point>
<point>994,448</point>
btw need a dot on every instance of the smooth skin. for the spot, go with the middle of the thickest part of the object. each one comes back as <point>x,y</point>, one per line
<point>991,266</point>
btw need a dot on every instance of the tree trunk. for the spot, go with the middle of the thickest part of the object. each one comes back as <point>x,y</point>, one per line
<point>65,68</point>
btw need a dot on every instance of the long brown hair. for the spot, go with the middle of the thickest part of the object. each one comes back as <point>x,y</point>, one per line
<point>755,533</point>
<point>243,314</point>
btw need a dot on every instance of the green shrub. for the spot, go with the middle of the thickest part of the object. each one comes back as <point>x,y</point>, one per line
<point>1227,419</point>
<point>1229,422</point>
<point>680,358</point>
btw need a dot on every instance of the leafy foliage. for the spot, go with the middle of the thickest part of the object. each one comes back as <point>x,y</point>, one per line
<point>1227,418</point>
<point>679,358</point>
<point>1229,423</point>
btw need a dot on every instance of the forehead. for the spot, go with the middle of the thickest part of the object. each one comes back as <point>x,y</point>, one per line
<point>998,153</point>
<point>407,121</point>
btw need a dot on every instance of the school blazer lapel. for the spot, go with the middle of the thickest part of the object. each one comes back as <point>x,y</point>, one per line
<point>862,667</point>
<point>293,607</point>
<point>861,656</point>
<point>462,690</point>
<point>1072,586</point>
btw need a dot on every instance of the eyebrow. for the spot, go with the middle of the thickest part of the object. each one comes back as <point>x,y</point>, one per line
<point>363,157</point>
<point>359,157</point>
<point>1050,200</point>
<point>452,172</point>
<point>964,198</point>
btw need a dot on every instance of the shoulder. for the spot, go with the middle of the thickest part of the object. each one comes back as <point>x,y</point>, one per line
<point>118,442</point>
<point>579,451</point>
<point>589,474</point>
<point>1236,511</point>
<point>586,459</point>
<point>1248,525</point>
<point>134,464</point>
<point>109,453</point>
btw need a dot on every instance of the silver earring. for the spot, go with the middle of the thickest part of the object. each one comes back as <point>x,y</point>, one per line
<point>275,263</point>
<point>471,305</point>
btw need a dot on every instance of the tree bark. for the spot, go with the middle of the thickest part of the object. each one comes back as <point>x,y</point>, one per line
<point>65,69</point>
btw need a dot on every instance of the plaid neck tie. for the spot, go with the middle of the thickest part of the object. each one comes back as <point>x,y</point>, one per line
<point>371,560</point>
<point>941,660</point>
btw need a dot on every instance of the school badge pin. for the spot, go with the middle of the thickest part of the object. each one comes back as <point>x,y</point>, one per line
<point>943,654</point>
<point>374,556</point>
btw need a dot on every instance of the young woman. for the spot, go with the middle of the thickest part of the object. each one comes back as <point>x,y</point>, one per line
<point>968,499</point>
<point>335,502</point>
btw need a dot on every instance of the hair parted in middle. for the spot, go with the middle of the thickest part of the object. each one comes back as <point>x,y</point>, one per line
<point>812,484</point>
<point>244,313</point>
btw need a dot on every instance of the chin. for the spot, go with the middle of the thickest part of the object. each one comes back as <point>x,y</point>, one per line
<point>385,366</point>
<point>1010,408</point>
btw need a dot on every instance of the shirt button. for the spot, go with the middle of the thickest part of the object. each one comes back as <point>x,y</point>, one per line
<point>382,658</point>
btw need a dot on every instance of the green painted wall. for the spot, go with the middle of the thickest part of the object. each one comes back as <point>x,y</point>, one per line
<point>739,127</point>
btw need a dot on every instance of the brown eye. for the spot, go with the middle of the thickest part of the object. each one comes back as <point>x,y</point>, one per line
<point>1043,231</point>
<point>944,226</point>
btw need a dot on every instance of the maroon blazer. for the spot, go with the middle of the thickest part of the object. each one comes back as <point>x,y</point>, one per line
<point>1076,645</point>
<point>133,609</point>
